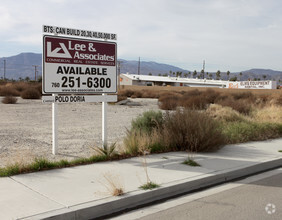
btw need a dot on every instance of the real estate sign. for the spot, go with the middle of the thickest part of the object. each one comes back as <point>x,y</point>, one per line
<point>78,66</point>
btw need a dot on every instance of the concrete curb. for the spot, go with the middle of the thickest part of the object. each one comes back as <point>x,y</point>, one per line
<point>96,209</point>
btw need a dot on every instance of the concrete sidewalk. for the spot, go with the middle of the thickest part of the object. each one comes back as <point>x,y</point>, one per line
<point>81,192</point>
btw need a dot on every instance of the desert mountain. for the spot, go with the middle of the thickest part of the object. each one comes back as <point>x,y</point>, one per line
<point>22,66</point>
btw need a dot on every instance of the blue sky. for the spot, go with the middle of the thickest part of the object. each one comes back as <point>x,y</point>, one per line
<point>227,34</point>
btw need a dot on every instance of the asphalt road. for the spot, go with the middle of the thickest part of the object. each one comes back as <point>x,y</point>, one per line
<point>258,197</point>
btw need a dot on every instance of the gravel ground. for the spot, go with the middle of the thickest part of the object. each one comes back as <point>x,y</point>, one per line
<point>26,128</point>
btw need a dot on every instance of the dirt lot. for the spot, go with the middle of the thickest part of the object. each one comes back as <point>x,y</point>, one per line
<point>26,128</point>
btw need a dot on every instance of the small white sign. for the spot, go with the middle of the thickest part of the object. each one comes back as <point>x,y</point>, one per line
<point>78,98</point>
<point>47,29</point>
<point>252,85</point>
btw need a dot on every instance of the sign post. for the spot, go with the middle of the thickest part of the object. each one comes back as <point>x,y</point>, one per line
<point>54,128</point>
<point>104,122</point>
<point>77,67</point>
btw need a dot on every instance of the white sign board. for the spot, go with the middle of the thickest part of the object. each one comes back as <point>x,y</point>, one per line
<point>78,66</point>
<point>252,85</point>
<point>47,29</point>
<point>78,98</point>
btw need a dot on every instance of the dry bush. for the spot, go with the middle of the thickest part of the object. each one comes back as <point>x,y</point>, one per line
<point>126,92</point>
<point>8,91</point>
<point>20,86</point>
<point>137,94</point>
<point>277,100</point>
<point>38,86</point>
<point>242,106</point>
<point>272,113</point>
<point>242,95</point>
<point>121,97</point>
<point>193,92</point>
<point>113,184</point>
<point>198,102</point>
<point>31,93</point>
<point>262,100</point>
<point>136,141</point>
<point>192,131</point>
<point>210,95</point>
<point>150,94</point>
<point>224,113</point>
<point>169,101</point>
<point>9,100</point>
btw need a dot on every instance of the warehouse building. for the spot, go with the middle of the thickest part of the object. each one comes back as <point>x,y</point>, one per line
<point>145,80</point>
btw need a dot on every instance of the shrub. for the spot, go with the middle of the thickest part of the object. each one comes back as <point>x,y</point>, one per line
<point>20,86</point>
<point>192,131</point>
<point>169,101</point>
<point>210,95</point>
<point>148,121</point>
<point>137,94</point>
<point>278,100</point>
<point>127,92</point>
<point>193,92</point>
<point>137,140</point>
<point>242,106</point>
<point>150,94</point>
<point>269,113</point>
<point>224,113</point>
<point>198,102</point>
<point>9,100</point>
<point>132,142</point>
<point>238,132</point>
<point>121,97</point>
<point>244,95</point>
<point>38,86</point>
<point>8,91</point>
<point>31,93</point>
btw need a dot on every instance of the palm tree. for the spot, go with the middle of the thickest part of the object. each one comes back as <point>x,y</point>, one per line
<point>195,73</point>
<point>264,77</point>
<point>228,73</point>
<point>240,75</point>
<point>202,74</point>
<point>178,74</point>
<point>189,73</point>
<point>218,75</point>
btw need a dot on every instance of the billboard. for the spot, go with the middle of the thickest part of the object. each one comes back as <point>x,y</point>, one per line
<point>78,66</point>
<point>252,85</point>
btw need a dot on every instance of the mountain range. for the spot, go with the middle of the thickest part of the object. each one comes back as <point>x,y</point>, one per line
<point>24,65</point>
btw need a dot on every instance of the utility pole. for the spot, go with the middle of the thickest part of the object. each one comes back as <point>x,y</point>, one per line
<point>119,66</point>
<point>4,69</point>
<point>139,66</point>
<point>203,70</point>
<point>35,71</point>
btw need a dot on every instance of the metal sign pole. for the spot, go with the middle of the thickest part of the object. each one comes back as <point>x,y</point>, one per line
<point>104,121</point>
<point>54,128</point>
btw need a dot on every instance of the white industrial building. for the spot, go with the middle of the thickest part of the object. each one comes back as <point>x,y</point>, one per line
<point>145,80</point>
